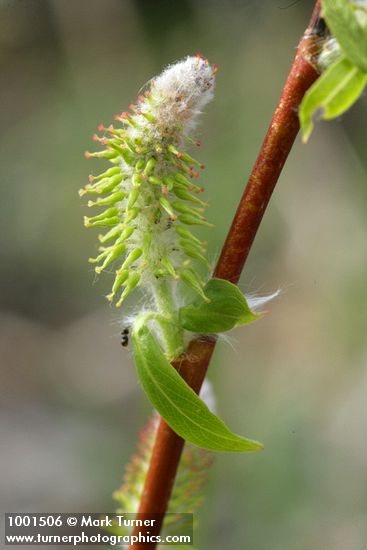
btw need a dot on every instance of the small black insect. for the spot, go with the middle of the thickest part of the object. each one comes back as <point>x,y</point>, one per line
<point>125,337</point>
<point>157,218</point>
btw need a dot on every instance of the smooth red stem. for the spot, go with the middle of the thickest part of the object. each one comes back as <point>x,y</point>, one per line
<point>193,365</point>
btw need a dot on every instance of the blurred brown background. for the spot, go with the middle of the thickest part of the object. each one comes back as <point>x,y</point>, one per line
<point>297,380</point>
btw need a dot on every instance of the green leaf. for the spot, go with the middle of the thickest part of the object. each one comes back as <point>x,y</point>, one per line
<point>227,309</point>
<point>334,93</point>
<point>179,405</point>
<point>347,27</point>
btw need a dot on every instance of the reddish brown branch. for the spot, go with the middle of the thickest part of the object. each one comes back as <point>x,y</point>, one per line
<point>278,142</point>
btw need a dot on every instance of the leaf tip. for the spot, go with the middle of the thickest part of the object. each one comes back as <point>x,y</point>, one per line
<point>306,126</point>
<point>258,446</point>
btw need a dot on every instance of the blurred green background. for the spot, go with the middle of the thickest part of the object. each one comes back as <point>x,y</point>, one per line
<point>70,402</point>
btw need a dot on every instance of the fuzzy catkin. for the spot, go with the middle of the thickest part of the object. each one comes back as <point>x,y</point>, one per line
<point>188,492</point>
<point>149,198</point>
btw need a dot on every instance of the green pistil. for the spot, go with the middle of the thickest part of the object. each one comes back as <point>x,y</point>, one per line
<point>147,189</point>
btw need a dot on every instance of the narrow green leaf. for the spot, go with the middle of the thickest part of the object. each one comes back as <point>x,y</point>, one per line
<point>348,28</point>
<point>333,93</point>
<point>179,405</point>
<point>227,309</point>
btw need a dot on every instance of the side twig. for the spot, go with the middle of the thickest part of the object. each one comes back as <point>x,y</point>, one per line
<point>193,365</point>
